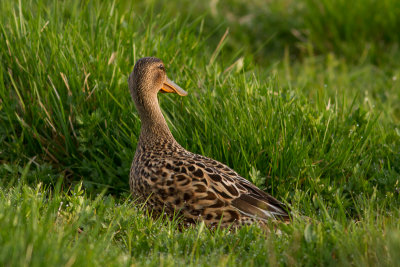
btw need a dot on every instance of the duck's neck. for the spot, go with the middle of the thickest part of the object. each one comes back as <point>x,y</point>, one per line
<point>154,128</point>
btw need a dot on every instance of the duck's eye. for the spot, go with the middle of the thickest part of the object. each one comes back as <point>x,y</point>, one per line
<point>161,67</point>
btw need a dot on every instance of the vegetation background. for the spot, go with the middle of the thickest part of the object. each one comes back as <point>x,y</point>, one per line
<point>300,97</point>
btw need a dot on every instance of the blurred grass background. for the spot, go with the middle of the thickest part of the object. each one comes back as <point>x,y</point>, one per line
<point>300,97</point>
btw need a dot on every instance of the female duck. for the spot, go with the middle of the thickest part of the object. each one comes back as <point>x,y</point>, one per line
<point>170,179</point>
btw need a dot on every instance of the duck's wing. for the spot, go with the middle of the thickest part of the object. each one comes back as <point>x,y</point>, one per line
<point>236,191</point>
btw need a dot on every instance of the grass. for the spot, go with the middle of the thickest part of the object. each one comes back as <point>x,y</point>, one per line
<point>47,226</point>
<point>302,102</point>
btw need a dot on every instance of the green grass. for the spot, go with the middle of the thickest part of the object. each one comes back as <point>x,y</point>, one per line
<point>300,97</point>
<point>45,226</point>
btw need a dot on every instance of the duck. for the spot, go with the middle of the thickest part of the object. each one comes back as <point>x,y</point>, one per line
<point>168,179</point>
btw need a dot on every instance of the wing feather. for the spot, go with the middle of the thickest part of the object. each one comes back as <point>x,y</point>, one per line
<point>240,193</point>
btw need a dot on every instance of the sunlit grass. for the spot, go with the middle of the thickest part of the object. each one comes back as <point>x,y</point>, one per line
<point>46,226</point>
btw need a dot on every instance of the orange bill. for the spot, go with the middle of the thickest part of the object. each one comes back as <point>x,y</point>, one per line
<point>171,87</point>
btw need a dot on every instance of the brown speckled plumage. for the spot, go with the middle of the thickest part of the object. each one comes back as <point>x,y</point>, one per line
<point>171,179</point>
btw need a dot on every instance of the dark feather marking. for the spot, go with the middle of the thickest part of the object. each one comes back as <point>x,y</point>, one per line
<point>209,170</point>
<point>210,196</point>
<point>198,173</point>
<point>215,177</point>
<point>218,204</point>
<point>200,188</point>
<point>201,165</point>
<point>186,196</point>
<point>223,194</point>
<point>234,215</point>
<point>181,177</point>
<point>231,189</point>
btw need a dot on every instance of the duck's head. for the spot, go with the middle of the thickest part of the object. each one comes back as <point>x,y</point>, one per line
<point>149,77</point>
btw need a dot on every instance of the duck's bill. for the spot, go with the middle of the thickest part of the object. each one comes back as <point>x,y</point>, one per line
<point>171,87</point>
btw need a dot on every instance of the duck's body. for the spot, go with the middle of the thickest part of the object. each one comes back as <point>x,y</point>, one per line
<point>172,180</point>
